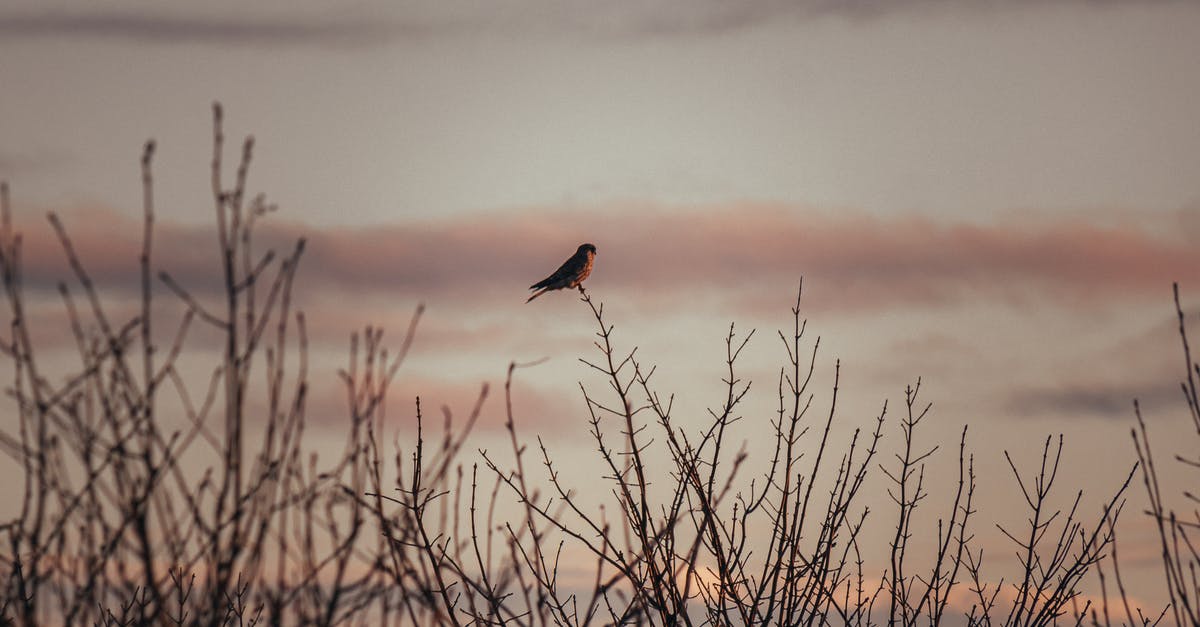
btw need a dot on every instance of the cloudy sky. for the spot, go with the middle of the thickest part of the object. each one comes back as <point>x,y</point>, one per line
<point>993,196</point>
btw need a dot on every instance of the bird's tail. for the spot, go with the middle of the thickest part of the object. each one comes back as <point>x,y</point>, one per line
<point>538,293</point>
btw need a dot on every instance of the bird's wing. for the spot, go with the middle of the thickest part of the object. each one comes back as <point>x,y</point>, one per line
<point>564,272</point>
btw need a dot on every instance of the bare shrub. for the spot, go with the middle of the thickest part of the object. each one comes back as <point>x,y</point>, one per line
<point>152,498</point>
<point>1176,530</point>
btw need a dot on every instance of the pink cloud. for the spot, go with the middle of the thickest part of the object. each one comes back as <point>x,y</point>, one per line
<point>861,261</point>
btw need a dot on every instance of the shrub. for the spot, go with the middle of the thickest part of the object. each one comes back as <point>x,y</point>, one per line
<point>114,527</point>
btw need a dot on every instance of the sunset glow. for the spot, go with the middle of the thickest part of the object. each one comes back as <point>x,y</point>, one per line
<point>994,199</point>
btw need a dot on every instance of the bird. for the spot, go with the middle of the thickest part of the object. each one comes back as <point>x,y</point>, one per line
<point>570,274</point>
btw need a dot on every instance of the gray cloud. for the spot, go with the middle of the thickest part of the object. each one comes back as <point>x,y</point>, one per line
<point>1109,401</point>
<point>702,17</point>
<point>162,28</point>
<point>449,18</point>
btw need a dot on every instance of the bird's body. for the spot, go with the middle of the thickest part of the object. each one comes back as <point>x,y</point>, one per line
<point>570,275</point>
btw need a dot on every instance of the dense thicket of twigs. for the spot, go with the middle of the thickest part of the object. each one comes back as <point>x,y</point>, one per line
<point>117,526</point>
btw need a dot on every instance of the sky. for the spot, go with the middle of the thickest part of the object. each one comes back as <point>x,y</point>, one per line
<point>993,196</point>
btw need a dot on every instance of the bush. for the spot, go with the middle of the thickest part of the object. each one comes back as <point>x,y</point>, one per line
<point>114,527</point>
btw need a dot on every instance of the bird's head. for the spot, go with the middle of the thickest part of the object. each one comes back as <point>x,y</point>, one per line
<point>586,248</point>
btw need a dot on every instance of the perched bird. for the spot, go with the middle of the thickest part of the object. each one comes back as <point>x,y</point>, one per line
<point>570,274</point>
